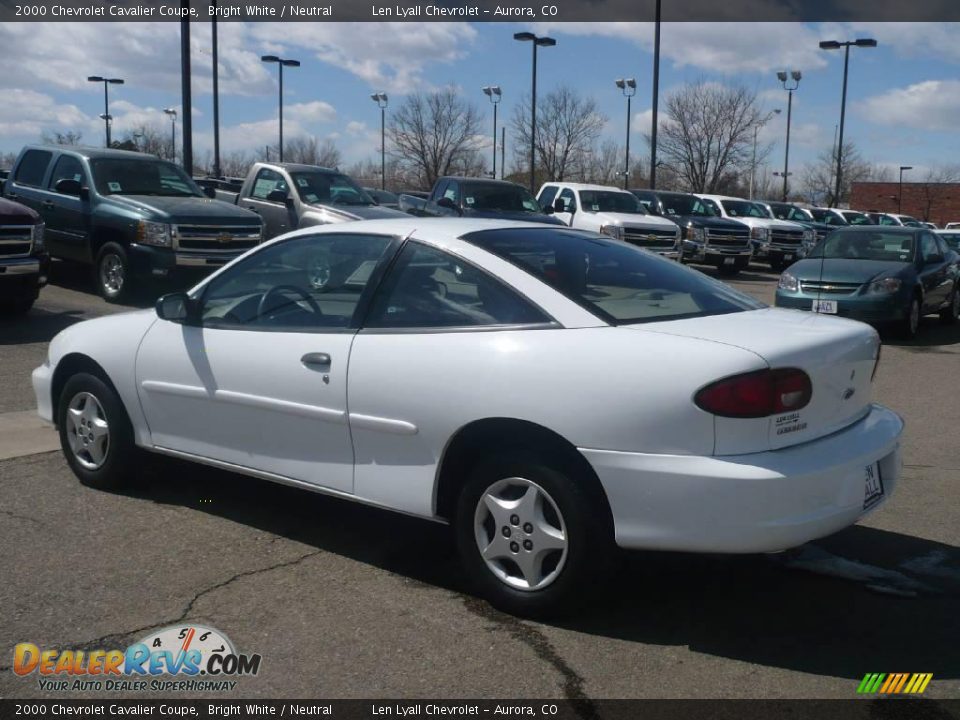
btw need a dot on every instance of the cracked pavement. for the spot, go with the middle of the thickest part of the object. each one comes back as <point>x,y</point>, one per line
<point>346,601</point>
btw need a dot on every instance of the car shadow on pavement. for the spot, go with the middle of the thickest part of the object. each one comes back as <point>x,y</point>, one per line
<point>863,600</point>
<point>931,336</point>
<point>36,326</point>
<point>80,278</point>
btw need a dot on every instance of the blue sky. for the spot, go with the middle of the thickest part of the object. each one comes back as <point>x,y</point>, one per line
<point>903,104</point>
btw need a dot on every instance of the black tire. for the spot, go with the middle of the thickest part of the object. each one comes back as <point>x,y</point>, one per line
<point>729,270</point>
<point>118,451</point>
<point>585,518</point>
<point>910,325</point>
<point>778,266</point>
<point>950,314</point>
<point>17,306</point>
<point>112,273</point>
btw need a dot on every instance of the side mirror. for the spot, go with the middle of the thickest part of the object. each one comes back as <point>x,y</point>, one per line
<point>447,203</point>
<point>559,206</point>
<point>548,210</point>
<point>69,186</point>
<point>210,192</point>
<point>176,307</point>
<point>277,196</point>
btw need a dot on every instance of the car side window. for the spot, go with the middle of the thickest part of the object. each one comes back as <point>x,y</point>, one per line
<point>569,200</point>
<point>928,248</point>
<point>32,168</point>
<point>942,246</point>
<point>307,284</point>
<point>429,288</point>
<point>67,168</point>
<point>547,196</point>
<point>451,192</point>
<point>266,182</point>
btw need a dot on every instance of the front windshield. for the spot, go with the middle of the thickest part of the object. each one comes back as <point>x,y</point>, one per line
<point>618,283</point>
<point>502,198</point>
<point>866,245</point>
<point>785,211</point>
<point>743,208</point>
<point>328,188</point>
<point>611,201</point>
<point>133,176</point>
<point>764,210</point>
<point>856,218</point>
<point>685,205</point>
<point>952,239</point>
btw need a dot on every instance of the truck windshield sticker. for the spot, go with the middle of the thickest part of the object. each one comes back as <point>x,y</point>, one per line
<point>114,186</point>
<point>595,208</point>
<point>311,198</point>
<point>264,186</point>
<point>302,182</point>
<point>468,200</point>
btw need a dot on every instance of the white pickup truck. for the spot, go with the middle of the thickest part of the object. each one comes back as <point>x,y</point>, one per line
<point>611,211</point>
<point>779,242</point>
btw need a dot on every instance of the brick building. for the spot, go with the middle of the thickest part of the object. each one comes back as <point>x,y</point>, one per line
<point>936,202</point>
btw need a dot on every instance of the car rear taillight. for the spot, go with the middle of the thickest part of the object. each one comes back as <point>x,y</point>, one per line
<point>756,394</point>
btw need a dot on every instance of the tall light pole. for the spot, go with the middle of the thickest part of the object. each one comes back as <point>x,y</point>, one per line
<point>106,101</point>
<point>281,63</point>
<point>537,42</point>
<point>380,99</point>
<point>795,76</point>
<point>656,99</point>
<point>900,191</point>
<point>834,45</point>
<point>214,46</point>
<point>493,92</point>
<point>629,88</point>
<point>173,132</point>
<point>753,161</point>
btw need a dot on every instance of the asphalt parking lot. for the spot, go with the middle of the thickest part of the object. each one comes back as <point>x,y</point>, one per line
<point>348,601</point>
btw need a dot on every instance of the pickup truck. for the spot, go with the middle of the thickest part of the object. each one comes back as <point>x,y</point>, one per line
<point>479,198</point>
<point>800,215</point>
<point>893,219</point>
<point>707,238</point>
<point>779,242</point>
<point>24,262</point>
<point>128,214</point>
<point>839,218</point>
<point>320,196</point>
<point>614,212</point>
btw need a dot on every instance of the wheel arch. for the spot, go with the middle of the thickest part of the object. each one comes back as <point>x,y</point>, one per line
<point>70,365</point>
<point>472,441</point>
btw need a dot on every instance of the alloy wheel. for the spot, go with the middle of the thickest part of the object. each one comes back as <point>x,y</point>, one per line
<point>111,274</point>
<point>521,534</point>
<point>87,431</point>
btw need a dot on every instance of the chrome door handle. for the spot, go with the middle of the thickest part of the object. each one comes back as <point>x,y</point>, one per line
<point>317,359</point>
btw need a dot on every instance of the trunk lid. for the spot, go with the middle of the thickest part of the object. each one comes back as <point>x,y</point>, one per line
<point>838,354</point>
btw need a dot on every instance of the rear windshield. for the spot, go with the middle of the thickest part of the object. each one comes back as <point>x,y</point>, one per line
<point>321,188</point>
<point>505,198</point>
<point>610,201</point>
<point>856,218</point>
<point>866,245</point>
<point>116,176</point>
<point>617,282</point>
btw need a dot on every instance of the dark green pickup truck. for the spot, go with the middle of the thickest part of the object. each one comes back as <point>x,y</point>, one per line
<point>128,214</point>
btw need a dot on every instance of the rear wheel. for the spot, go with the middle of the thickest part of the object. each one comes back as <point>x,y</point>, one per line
<point>531,537</point>
<point>112,272</point>
<point>950,314</point>
<point>95,432</point>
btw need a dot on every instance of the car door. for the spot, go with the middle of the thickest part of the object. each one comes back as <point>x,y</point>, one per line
<point>26,184</point>
<point>934,273</point>
<point>66,216</point>
<point>439,329</point>
<point>276,216</point>
<point>258,378</point>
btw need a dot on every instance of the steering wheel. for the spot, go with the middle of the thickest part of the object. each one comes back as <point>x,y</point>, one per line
<point>264,305</point>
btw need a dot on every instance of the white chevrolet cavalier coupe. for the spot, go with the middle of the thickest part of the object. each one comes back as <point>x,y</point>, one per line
<point>548,391</point>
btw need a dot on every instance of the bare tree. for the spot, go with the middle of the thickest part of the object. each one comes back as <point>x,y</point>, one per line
<point>820,176</point>
<point>707,135</point>
<point>434,133</point>
<point>568,127</point>
<point>235,164</point>
<point>309,151</point>
<point>68,137</point>
<point>152,139</point>
<point>935,186</point>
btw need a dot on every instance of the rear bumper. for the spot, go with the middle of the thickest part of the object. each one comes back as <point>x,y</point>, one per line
<point>761,502</point>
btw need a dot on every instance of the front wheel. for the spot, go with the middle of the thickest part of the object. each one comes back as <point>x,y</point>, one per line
<point>95,432</point>
<point>113,270</point>
<point>950,314</point>
<point>910,324</point>
<point>532,538</point>
<point>17,306</point>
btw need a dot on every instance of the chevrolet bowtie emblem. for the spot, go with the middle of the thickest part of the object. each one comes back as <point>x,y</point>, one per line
<point>224,237</point>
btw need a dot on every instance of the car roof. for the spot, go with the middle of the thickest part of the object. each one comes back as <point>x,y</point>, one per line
<point>301,167</point>
<point>901,229</point>
<point>478,181</point>
<point>586,186</point>
<point>93,153</point>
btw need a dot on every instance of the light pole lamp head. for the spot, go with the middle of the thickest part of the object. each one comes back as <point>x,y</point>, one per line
<point>290,63</point>
<point>906,167</point>
<point>524,36</point>
<point>171,112</point>
<point>865,42</point>
<point>114,81</point>
<point>95,78</point>
<point>269,58</point>
<point>546,41</point>
<point>380,99</point>
<point>796,75</point>
<point>829,45</point>
<point>782,76</point>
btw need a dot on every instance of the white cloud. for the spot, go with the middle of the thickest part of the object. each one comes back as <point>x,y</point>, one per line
<point>355,127</point>
<point>927,105</point>
<point>28,112</point>
<point>316,111</point>
<point>719,47</point>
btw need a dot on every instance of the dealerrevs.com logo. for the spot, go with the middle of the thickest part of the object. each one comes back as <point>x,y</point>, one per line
<point>178,658</point>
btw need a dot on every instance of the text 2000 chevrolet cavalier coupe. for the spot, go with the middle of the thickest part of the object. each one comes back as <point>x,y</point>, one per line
<point>548,391</point>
